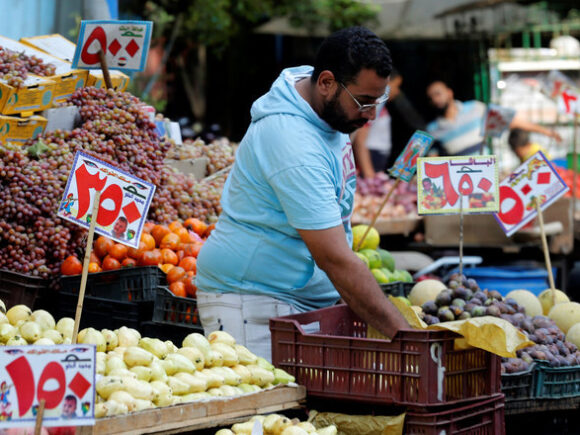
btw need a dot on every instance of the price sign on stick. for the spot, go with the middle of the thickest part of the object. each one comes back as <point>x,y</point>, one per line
<point>534,180</point>
<point>123,204</point>
<point>405,166</point>
<point>450,185</point>
<point>564,91</point>
<point>124,43</point>
<point>404,169</point>
<point>497,120</point>
<point>63,377</point>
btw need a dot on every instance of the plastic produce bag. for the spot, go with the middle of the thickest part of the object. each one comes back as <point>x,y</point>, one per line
<point>359,424</point>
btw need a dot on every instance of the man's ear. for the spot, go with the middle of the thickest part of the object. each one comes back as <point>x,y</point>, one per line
<point>326,83</point>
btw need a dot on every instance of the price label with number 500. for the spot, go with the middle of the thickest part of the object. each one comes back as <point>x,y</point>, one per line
<point>124,202</point>
<point>447,185</point>
<point>63,376</point>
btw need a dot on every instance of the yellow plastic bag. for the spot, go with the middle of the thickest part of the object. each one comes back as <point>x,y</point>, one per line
<point>359,424</point>
<point>489,333</point>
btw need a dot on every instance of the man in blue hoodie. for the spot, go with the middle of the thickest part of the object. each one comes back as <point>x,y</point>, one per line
<point>282,244</point>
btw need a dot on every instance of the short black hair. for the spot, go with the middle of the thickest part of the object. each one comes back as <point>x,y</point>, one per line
<point>71,397</point>
<point>518,138</point>
<point>347,51</point>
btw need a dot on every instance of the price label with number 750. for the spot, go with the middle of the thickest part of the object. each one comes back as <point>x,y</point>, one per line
<point>63,376</point>
<point>449,185</point>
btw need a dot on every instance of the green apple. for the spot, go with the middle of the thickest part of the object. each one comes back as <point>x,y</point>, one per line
<point>379,276</point>
<point>407,277</point>
<point>373,257</point>
<point>387,259</point>
<point>405,300</point>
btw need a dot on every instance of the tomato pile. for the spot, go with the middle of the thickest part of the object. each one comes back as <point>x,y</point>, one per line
<point>568,177</point>
<point>173,248</point>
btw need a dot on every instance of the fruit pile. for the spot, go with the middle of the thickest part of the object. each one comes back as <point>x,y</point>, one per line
<point>547,325</point>
<point>220,153</point>
<point>174,248</point>
<point>370,193</point>
<point>380,261</point>
<point>276,424</point>
<point>568,177</point>
<point>33,178</point>
<point>137,373</point>
<point>15,67</point>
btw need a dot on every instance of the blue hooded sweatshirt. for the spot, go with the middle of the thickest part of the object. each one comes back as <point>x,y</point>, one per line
<point>292,171</point>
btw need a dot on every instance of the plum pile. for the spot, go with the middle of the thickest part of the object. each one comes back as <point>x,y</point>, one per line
<point>464,299</point>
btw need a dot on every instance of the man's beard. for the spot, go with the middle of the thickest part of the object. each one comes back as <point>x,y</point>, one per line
<point>334,116</point>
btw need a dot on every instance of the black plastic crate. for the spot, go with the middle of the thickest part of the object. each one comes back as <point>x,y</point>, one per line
<point>519,386</point>
<point>167,331</point>
<point>398,288</point>
<point>126,284</point>
<point>175,310</point>
<point>102,313</point>
<point>16,288</point>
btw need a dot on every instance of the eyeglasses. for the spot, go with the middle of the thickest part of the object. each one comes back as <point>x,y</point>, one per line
<point>368,107</point>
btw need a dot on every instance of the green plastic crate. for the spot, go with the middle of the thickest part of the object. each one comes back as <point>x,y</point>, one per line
<point>557,382</point>
<point>519,386</point>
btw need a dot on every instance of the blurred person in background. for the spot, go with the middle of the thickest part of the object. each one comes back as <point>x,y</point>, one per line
<point>520,144</point>
<point>458,128</point>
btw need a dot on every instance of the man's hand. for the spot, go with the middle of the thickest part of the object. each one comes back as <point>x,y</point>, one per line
<point>352,279</point>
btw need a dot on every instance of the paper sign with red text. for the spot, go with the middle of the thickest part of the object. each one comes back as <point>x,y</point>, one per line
<point>564,91</point>
<point>497,120</point>
<point>535,178</point>
<point>442,182</point>
<point>124,202</point>
<point>124,43</point>
<point>63,375</point>
<point>406,164</point>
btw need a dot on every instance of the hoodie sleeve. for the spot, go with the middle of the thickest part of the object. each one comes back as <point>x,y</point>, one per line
<point>307,196</point>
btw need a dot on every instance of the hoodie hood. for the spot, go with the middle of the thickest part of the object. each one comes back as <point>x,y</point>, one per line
<point>283,98</point>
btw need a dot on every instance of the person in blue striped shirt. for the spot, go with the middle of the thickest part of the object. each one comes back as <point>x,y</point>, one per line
<point>458,129</point>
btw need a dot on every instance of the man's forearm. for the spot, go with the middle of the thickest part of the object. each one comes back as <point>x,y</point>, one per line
<point>361,292</point>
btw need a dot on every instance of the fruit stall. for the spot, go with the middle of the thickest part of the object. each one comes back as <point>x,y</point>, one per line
<point>156,370</point>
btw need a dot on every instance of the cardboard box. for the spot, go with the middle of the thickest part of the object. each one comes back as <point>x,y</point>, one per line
<point>60,47</point>
<point>66,79</point>
<point>196,167</point>
<point>36,94</point>
<point>62,118</point>
<point>19,130</point>
<point>483,230</point>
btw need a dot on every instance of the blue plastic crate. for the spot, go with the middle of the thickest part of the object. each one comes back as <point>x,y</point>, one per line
<point>504,279</point>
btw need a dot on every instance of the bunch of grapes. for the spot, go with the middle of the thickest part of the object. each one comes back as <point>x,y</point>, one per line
<point>33,178</point>
<point>15,67</point>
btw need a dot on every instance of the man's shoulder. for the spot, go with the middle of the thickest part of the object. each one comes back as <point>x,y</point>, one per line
<point>473,105</point>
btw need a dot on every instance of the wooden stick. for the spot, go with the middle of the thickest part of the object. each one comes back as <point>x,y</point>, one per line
<point>375,217</point>
<point>546,251</point>
<point>86,262</point>
<point>105,69</point>
<point>461,235</point>
<point>39,417</point>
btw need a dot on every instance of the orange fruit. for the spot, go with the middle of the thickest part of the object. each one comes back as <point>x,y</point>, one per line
<point>118,251</point>
<point>170,241</point>
<point>94,267</point>
<point>166,267</point>
<point>129,262</point>
<point>169,256</point>
<point>71,266</point>
<point>102,246</point>
<point>178,288</point>
<point>110,263</point>
<point>192,249</point>
<point>148,240</point>
<point>147,227</point>
<point>188,263</point>
<point>195,225</point>
<point>137,253</point>
<point>151,258</point>
<point>208,231</point>
<point>175,225</point>
<point>175,274</point>
<point>94,258</point>
<point>158,232</point>
<point>190,287</point>
<point>184,235</point>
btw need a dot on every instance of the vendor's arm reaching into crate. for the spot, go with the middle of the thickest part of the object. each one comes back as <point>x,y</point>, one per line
<point>352,279</point>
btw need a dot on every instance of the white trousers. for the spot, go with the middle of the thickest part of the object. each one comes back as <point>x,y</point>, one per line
<point>245,317</point>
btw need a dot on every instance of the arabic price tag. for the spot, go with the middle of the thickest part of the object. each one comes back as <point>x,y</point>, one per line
<point>535,178</point>
<point>564,91</point>
<point>125,44</point>
<point>406,164</point>
<point>63,375</point>
<point>497,120</point>
<point>442,182</point>
<point>124,202</point>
